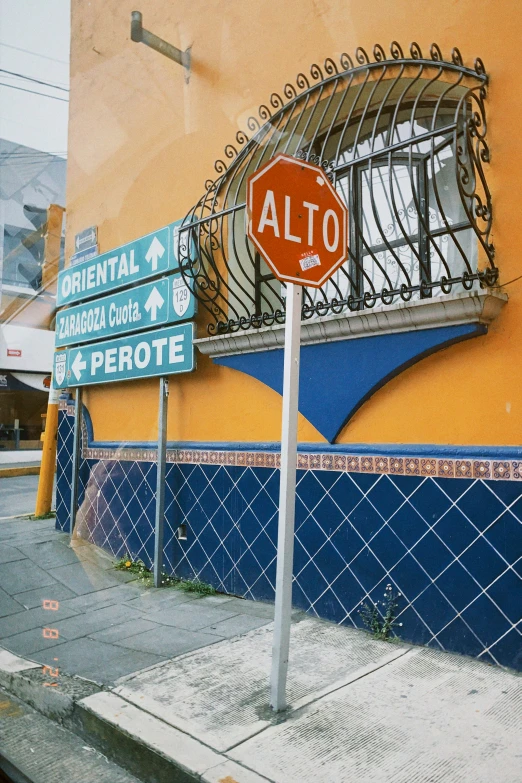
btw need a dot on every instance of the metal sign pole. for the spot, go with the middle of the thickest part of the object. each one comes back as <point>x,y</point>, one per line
<point>285,532</point>
<point>75,457</point>
<point>160,482</point>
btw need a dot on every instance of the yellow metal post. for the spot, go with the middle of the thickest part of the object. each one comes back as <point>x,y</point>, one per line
<point>44,496</point>
<point>53,235</point>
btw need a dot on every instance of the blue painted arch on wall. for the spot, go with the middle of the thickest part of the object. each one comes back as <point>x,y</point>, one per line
<point>336,378</point>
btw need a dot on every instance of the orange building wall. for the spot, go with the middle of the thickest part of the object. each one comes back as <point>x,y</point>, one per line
<point>142,142</point>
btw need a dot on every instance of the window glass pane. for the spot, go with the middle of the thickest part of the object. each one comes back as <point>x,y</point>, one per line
<point>388,206</point>
<point>388,215</point>
<point>446,211</point>
<point>444,196</point>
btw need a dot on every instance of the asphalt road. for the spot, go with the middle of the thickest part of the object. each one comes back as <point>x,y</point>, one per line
<point>18,495</point>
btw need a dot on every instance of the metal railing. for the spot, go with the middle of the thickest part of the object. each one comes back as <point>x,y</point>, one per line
<point>403,139</point>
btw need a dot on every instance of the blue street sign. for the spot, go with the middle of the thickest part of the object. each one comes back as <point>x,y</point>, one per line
<point>86,238</point>
<point>84,255</point>
<point>146,257</point>
<point>164,301</point>
<point>158,352</point>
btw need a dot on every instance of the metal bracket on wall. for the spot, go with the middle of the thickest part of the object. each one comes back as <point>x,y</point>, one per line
<point>140,35</point>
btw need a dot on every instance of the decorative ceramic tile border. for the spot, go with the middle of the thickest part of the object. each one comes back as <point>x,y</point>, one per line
<point>400,466</point>
<point>501,470</point>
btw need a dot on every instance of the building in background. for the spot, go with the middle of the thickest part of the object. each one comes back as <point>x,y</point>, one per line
<point>32,198</point>
<point>410,454</point>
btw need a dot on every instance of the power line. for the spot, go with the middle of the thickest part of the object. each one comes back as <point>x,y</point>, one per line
<point>42,163</point>
<point>31,79</point>
<point>35,54</point>
<point>28,153</point>
<point>21,149</point>
<point>33,92</point>
<point>5,160</point>
<point>37,157</point>
<point>502,285</point>
<point>11,75</point>
<point>18,159</point>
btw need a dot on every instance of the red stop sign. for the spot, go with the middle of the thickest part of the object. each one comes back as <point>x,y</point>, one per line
<point>297,221</point>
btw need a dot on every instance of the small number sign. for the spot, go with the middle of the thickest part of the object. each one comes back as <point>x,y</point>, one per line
<point>180,296</point>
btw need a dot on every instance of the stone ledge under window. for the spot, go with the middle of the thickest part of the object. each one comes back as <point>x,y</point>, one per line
<point>450,310</point>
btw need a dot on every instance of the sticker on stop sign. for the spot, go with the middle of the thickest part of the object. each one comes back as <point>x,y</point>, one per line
<point>297,221</point>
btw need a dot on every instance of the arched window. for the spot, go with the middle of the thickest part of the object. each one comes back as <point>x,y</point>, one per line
<point>403,140</point>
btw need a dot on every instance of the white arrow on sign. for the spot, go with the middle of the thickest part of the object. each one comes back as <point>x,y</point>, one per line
<point>77,366</point>
<point>155,251</point>
<point>154,303</point>
<point>87,238</point>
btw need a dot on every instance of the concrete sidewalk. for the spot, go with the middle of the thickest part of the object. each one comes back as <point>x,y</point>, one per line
<point>18,495</point>
<point>20,463</point>
<point>20,457</point>
<point>180,683</point>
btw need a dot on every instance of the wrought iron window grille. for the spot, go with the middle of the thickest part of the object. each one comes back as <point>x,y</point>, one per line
<point>403,139</point>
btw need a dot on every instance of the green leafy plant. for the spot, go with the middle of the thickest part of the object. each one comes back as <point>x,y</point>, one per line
<point>48,515</point>
<point>126,563</point>
<point>146,576</point>
<point>381,621</point>
<point>196,586</point>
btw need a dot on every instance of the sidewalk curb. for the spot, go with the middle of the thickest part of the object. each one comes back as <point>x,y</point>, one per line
<point>30,683</point>
<point>30,470</point>
<point>148,747</point>
<point>142,744</point>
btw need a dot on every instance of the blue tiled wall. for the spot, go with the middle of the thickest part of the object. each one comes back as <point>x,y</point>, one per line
<point>64,448</point>
<point>452,547</point>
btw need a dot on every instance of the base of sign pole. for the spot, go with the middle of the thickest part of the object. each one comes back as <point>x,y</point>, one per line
<point>285,532</point>
<point>160,480</point>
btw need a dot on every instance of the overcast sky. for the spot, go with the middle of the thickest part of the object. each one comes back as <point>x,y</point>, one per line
<point>34,42</point>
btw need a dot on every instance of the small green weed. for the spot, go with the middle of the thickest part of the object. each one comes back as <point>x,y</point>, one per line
<point>146,576</point>
<point>126,563</point>
<point>196,586</point>
<point>381,622</point>
<point>48,515</point>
